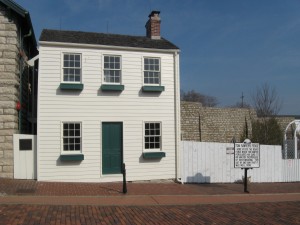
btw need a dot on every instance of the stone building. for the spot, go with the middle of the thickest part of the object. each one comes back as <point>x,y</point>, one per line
<point>17,80</point>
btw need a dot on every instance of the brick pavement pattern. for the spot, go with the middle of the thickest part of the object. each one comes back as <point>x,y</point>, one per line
<point>248,213</point>
<point>148,200</point>
<point>35,188</point>
<point>268,203</point>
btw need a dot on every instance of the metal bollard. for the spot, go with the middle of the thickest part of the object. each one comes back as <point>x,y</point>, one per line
<point>124,179</point>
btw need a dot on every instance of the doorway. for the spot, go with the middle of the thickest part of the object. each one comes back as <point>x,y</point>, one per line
<point>112,147</point>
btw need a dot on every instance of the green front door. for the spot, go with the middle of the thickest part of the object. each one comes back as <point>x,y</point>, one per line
<point>112,150</point>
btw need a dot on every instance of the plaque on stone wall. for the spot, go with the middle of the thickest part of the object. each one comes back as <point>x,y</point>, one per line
<point>25,144</point>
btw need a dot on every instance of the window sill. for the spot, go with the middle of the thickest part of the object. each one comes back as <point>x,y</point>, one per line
<point>75,157</point>
<point>153,155</point>
<point>71,86</point>
<point>112,87</point>
<point>153,88</point>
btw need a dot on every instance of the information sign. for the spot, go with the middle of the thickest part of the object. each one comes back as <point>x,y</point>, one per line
<point>230,150</point>
<point>246,155</point>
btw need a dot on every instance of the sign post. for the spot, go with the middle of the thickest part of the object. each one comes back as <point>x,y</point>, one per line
<point>246,179</point>
<point>246,156</point>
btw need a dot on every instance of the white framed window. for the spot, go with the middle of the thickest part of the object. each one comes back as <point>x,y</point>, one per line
<point>151,71</point>
<point>152,136</point>
<point>112,69</point>
<point>71,137</point>
<point>71,69</point>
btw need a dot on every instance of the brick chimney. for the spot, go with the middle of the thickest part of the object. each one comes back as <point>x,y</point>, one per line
<point>153,25</point>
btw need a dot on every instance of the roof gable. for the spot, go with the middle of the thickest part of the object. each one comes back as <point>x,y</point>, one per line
<point>15,7</point>
<point>79,37</point>
<point>23,14</point>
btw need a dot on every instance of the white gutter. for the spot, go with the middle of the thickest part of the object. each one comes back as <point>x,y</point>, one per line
<point>93,46</point>
<point>177,116</point>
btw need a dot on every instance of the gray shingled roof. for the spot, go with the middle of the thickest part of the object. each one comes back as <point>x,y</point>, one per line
<point>80,37</point>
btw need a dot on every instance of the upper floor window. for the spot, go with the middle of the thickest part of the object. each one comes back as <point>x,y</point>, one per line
<point>151,71</point>
<point>71,67</point>
<point>112,69</point>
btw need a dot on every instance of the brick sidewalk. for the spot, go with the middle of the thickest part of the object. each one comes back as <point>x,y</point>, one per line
<point>150,200</point>
<point>31,202</point>
<point>34,188</point>
<point>249,213</point>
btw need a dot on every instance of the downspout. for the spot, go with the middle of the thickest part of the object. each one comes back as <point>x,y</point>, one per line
<point>20,86</point>
<point>27,35</point>
<point>177,116</point>
<point>31,64</point>
<point>32,99</point>
<point>21,80</point>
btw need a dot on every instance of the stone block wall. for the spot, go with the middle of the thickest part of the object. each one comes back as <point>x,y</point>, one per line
<point>209,124</point>
<point>225,124</point>
<point>284,121</point>
<point>9,91</point>
<point>190,121</point>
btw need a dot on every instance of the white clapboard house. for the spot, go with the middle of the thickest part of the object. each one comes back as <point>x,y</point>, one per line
<point>105,100</point>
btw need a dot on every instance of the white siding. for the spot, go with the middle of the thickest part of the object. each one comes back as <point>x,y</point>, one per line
<point>91,106</point>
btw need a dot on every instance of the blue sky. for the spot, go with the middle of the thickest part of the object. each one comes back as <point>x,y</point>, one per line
<point>227,47</point>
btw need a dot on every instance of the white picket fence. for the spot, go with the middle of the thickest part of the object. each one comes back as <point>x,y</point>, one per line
<point>203,162</point>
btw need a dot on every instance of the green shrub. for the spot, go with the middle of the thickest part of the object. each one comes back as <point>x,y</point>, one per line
<point>265,131</point>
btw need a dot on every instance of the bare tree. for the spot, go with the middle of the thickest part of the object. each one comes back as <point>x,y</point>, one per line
<point>267,104</point>
<point>210,101</point>
<point>266,101</point>
<point>193,96</point>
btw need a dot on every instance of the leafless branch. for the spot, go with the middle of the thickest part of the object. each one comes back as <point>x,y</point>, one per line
<point>266,101</point>
<point>206,100</point>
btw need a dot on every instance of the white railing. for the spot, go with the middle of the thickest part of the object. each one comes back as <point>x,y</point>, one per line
<point>204,162</point>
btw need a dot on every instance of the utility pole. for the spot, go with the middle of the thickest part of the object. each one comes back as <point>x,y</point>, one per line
<point>242,97</point>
